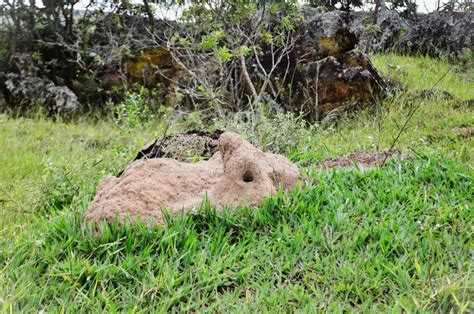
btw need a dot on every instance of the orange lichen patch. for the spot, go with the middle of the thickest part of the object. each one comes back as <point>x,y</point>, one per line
<point>150,66</point>
<point>338,91</point>
<point>353,62</point>
<point>330,44</point>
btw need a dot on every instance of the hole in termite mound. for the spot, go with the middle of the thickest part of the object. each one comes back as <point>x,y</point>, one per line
<point>247,176</point>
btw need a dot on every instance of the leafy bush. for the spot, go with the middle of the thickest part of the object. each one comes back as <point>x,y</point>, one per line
<point>3,48</point>
<point>131,112</point>
<point>275,132</point>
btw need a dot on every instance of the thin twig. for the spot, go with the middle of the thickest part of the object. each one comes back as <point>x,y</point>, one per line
<point>411,113</point>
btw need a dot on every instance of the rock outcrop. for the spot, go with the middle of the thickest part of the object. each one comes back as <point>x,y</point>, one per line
<point>322,86</point>
<point>320,73</point>
<point>325,70</point>
<point>324,34</point>
<point>239,174</point>
<point>379,35</point>
<point>338,80</point>
<point>439,33</point>
<point>24,91</point>
<point>335,32</point>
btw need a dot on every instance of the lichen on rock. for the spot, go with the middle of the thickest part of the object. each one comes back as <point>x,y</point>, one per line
<point>328,84</point>
<point>150,65</point>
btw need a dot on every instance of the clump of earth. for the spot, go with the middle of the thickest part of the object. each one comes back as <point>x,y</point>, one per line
<point>237,174</point>
<point>363,160</point>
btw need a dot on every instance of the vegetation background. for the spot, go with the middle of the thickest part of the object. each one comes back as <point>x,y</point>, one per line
<point>397,238</point>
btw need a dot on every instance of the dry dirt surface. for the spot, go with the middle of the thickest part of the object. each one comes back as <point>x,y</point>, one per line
<point>238,174</point>
<point>363,160</point>
<point>465,132</point>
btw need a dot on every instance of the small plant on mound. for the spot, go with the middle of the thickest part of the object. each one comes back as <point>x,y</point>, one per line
<point>275,132</point>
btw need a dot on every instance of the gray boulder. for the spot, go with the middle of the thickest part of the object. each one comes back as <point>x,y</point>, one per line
<point>439,33</point>
<point>324,34</point>
<point>378,36</point>
<point>23,91</point>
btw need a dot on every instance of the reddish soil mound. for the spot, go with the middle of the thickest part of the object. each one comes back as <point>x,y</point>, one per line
<point>239,174</point>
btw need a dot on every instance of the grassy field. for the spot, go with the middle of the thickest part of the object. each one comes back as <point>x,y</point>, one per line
<point>392,239</point>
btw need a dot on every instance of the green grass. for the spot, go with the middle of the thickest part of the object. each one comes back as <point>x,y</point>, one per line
<point>392,239</point>
<point>43,163</point>
<point>423,72</point>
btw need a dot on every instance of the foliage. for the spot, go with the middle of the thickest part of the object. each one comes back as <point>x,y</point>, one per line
<point>464,59</point>
<point>372,29</point>
<point>3,49</point>
<point>210,42</point>
<point>345,5</point>
<point>406,8</point>
<point>135,110</point>
<point>278,132</point>
<point>132,111</point>
<point>457,5</point>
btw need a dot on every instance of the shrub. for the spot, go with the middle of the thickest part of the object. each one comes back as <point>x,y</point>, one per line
<point>276,132</point>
